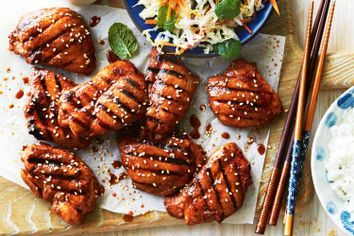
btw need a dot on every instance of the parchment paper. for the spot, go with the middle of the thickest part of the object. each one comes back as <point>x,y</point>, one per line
<point>265,50</point>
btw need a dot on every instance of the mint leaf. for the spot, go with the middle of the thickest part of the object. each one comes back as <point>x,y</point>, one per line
<point>163,22</point>
<point>122,41</point>
<point>161,16</point>
<point>228,9</point>
<point>229,49</point>
<point>171,22</point>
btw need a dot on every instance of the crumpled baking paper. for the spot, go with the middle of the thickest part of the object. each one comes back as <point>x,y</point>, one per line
<point>265,50</point>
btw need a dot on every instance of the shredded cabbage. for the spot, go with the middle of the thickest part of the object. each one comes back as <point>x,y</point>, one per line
<point>197,24</point>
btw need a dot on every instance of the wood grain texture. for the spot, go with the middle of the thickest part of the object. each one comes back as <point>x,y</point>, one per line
<point>21,212</point>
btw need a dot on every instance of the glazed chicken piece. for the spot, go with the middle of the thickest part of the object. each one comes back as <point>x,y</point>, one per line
<point>113,99</point>
<point>241,97</point>
<point>171,87</point>
<point>216,191</point>
<point>41,110</point>
<point>58,176</point>
<point>162,168</point>
<point>56,37</point>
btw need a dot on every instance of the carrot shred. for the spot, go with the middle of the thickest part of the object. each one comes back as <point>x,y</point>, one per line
<point>275,5</point>
<point>151,22</point>
<point>169,10</point>
<point>246,27</point>
<point>167,44</point>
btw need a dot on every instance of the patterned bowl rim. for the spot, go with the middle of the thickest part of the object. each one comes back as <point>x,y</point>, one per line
<point>340,217</point>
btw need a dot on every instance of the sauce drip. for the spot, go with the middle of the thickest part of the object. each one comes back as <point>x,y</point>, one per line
<point>128,218</point>
<point>25,80</point>
<point>11,106</point>
<point>208,129</point>
<point>94,21</point>
<point>19,94</point>
<point>113,179</point>
<point>261,149</point>
<point>122,176</point>
<point>116,164</point>
<point>195,123</point>
<point>225,135</point>
<point>116,179</point>
<point>111,57</point>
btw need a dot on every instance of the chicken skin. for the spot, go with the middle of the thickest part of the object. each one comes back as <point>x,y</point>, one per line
<point>56,37</point>
<point>241,97</point>
<point>113,99</point>
<point>171,87</point>
<point>216,191</point>
<point>41,111</point>
<point>162,168</point>
<point>59,177</point>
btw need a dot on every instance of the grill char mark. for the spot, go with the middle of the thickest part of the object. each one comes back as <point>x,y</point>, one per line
<point>170,160</point>
<point>212,181</point>
<point>227,184</point>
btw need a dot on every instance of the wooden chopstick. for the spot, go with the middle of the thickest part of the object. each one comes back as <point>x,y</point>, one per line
<point>316,34</point>
<point>298,130</point>
<point>274,190</point>
<point>318,75</point>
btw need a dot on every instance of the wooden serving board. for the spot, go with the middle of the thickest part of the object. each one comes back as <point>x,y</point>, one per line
<point>21,212</point>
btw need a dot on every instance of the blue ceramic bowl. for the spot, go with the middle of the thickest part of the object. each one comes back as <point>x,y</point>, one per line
<point>244,36</point>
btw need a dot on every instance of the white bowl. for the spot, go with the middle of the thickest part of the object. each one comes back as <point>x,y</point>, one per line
<point>333,205</point>
<point>81,2</point>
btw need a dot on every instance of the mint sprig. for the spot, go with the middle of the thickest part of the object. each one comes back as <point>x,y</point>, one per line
<point>229,49</point>
<point>166,23</point>
<point>228,9</point>
<point>122,41</point>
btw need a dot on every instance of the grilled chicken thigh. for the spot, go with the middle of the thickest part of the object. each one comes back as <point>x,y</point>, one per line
<point>241,97</point>
<point>41,110</point>
<point>60,177</point>
<point>161,168</point>
<point>56,37</point>
<point>216,191</point>
<point>171,87</point>
<point>113,99</point>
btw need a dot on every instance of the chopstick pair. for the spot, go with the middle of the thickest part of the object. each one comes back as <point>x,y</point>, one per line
<point>315,40</point>
<point>296,163</point>
<point>275,189</point>
<point>302,133</point>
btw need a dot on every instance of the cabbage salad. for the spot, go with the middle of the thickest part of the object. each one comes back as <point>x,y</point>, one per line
<point>185,24</point>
